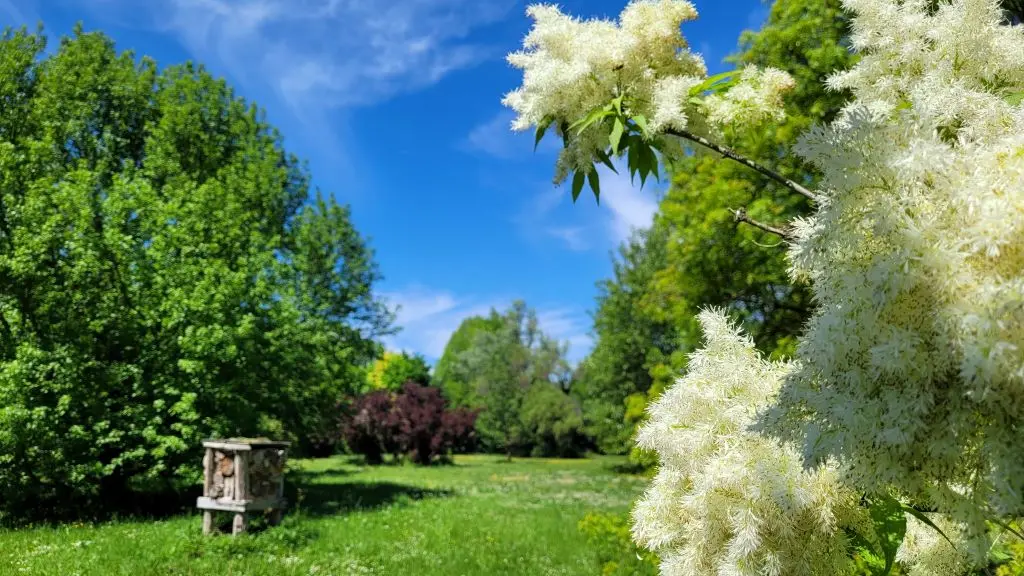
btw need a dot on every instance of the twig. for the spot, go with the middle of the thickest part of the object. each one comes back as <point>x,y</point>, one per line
<point>741,216</point>
<point>733,155</point>
<point>1009,529</point>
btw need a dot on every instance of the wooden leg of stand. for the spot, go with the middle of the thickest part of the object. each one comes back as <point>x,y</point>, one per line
<point>238,526</point>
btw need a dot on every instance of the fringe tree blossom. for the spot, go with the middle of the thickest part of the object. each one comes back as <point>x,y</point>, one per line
<point>755,99</point>
<point>926,552</point>
<point>729,501</point>
<point>572,67</point>
<point>912,368</point>
<point>910,376</point>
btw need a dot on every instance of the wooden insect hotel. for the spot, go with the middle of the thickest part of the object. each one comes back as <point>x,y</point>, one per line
<point>242,475</point>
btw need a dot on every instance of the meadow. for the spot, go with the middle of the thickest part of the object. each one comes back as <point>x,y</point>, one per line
<point>481,515</point>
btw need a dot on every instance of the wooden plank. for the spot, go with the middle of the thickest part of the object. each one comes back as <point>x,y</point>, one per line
<point>244,444</point>
<point>208,472</point>
<point>242,475</point>
<point>234,447</point>
<point>204,503</point>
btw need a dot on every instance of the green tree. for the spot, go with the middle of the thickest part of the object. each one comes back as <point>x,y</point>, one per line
<point>394,369</point>
<point>163,277</point>
<point>629,342</point>
<point>552,422</point>
<point>500,367</point>
<point>447,377</point>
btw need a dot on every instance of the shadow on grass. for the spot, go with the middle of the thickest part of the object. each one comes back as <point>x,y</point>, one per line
<point>313,493</point>
<point>319,499</point>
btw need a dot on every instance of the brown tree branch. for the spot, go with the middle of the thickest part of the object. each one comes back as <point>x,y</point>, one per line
<point>741,216</point>
<point>733,155</point>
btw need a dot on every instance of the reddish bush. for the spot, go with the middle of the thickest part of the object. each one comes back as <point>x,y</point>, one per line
<point>428,429</point>
<point>459,428</point>
<point>416,422</point>
<point>372,426</point>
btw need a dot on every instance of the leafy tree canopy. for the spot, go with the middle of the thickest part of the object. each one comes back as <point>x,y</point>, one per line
<point>166,275</point>
<point>394,369</point>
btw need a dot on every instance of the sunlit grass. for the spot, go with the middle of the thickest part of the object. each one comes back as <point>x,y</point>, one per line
<point>480,516</point>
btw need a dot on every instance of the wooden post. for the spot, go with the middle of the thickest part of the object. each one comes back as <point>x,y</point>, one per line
<point>241,488</point>
<point>207,522</point>
<point>238,526</point>
<point>208,472</point>
<point>241,475</point>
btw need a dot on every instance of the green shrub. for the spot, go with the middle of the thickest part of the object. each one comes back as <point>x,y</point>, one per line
<point>609,535</point>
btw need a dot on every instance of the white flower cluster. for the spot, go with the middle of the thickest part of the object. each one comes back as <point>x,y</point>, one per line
<point>571,67</point>
<point>927,553</point>
<point>912,368</point>
<point>756,98</point>
<point>726,500</point>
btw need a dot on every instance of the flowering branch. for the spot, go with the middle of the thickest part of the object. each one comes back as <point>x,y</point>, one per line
<point>733,155</point>
<point>741,216</point>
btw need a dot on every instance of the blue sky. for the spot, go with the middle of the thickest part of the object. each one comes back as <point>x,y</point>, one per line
<point>395,104</point>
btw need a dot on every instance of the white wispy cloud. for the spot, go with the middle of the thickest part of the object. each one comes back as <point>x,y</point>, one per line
<point>573,236</point>
<point>630,206</point>
<point>494,137</point>
<point>16,15</point>
<point>326,52</point>
<point>567,325</point>
<point>428,318</point>
<point>624,207</point>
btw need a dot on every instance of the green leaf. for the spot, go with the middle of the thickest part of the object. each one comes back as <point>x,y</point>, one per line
<point>595,185</point>
<point>1014,98</point>
<point>644,163</point>
<point>654,159</point>
<point>585,122</point>
<point>577,185</point>
<point>710,81</point>
<point>920,516</point>
<point>648,163</point>
<point>641,121</point>
<point>616,136</point>
<point>865,551</point>
<point>617,103</point>
<point>606,160</point>
<point>890,522</point>
<point>633,158</point>
<point>542,128</point>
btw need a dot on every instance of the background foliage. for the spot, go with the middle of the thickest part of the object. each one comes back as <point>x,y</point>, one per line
<point>165,276</point>
<point>393,369</point>
<point>518,378</point>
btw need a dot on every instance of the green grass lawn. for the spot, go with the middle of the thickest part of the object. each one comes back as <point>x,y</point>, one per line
<point>479,516</point>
